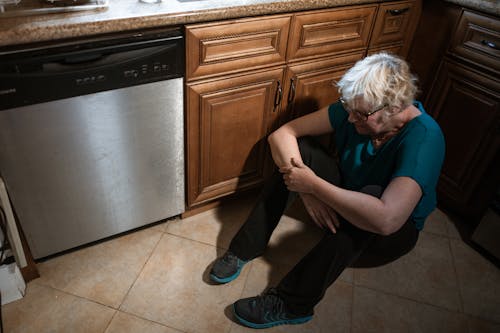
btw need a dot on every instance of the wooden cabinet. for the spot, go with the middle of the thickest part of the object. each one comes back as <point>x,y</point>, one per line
<point>235,72</point>
<point>310,86</point>
<point>394,28</point>
<point>465,100</point>
<point>228,122</point>
<point>466,105</point>
<point>245,77</point>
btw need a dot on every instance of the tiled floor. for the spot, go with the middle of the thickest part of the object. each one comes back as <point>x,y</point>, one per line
<point>155,280</point>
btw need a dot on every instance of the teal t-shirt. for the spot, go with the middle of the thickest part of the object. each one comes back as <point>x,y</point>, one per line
<point>417,151</point>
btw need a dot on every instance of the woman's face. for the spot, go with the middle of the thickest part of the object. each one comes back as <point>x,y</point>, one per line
<point>366,118</point>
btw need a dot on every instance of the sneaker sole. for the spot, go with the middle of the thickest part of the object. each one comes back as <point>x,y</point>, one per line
<point>217,279</point>
<point>295,321</point>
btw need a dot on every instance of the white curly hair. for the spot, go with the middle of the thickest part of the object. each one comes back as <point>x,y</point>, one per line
<point>379,79</point>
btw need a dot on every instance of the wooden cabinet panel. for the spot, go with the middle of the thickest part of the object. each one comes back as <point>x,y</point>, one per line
<point>396,23</point>
<point>227,125</point>
<point>466,104</point>
<point>394,49</point>
<point>312,85</point>
<point>235,46</point>
<point>314,34</point>
<point>477,39</point>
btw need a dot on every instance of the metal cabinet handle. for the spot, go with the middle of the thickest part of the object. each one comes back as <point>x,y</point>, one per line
<point>291,95</point>
<point>278,96</point>
<point>395,12</point>
<point>490,44</point>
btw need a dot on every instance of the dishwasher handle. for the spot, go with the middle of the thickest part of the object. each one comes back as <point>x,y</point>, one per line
<point>99,59</point>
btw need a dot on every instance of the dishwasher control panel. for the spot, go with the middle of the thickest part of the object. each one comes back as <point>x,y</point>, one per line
<point>29,78</point>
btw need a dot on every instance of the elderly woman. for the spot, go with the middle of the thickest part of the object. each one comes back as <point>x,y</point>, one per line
<point>371,202</point>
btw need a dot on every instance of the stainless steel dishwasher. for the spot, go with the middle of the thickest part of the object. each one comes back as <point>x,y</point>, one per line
<point>91,137</point>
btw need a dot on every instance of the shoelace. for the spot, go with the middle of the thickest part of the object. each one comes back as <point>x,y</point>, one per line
<point>229,257</point>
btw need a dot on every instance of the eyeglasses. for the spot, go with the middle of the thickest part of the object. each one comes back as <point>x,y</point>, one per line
<point>360,115</point>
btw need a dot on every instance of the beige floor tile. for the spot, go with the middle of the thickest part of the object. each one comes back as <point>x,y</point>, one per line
<point>436,223</point>
<point>477,325</point>
<point>126,323</point>
<point>378,312</point>
<point>172,288</point>
<point>479,282</point>
<point>426,274</point>
<point>263,275</point>
<point>161,226</point>
<point>44,309</point>
<point>216,226</point>
<point>103,272</point>
<point>333,313</point>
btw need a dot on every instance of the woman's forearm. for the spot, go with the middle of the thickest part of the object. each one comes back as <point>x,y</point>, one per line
<point>368,212</point>
<point>363,210</point>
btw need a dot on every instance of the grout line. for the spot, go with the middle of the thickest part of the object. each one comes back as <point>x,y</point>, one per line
<point>153,321</point>
<point>75,295</point>
<point>457,279</point>
<point>109,324</point>
<point>195,240</point>
<point>140,271</point>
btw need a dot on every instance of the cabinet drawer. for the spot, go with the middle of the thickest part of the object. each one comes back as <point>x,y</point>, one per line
<point>477,39</point>
<point>233,46</point>
<point>314,34</point>
<point>395,23</point>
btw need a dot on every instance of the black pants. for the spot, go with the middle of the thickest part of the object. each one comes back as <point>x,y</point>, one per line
<point>305,285</point>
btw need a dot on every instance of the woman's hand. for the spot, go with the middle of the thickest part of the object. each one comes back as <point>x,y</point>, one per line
<point>323,215</point>
<point>298,177</point>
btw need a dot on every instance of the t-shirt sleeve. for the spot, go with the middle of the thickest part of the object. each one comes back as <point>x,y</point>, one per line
<point>337,115</point>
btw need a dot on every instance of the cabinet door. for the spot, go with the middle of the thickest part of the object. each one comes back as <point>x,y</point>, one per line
<point>466,103</point>
<point>227,123</point>
<point>396,24</point>
<point>311,86</point>
<point>394,49</point>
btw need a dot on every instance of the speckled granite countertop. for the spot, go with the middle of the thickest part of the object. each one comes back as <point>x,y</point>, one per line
<point>487,6</point>
<point>124,15</point>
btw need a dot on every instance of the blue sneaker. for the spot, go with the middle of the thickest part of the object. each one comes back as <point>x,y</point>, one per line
<point>226,268</point>
<point>266,311</point>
